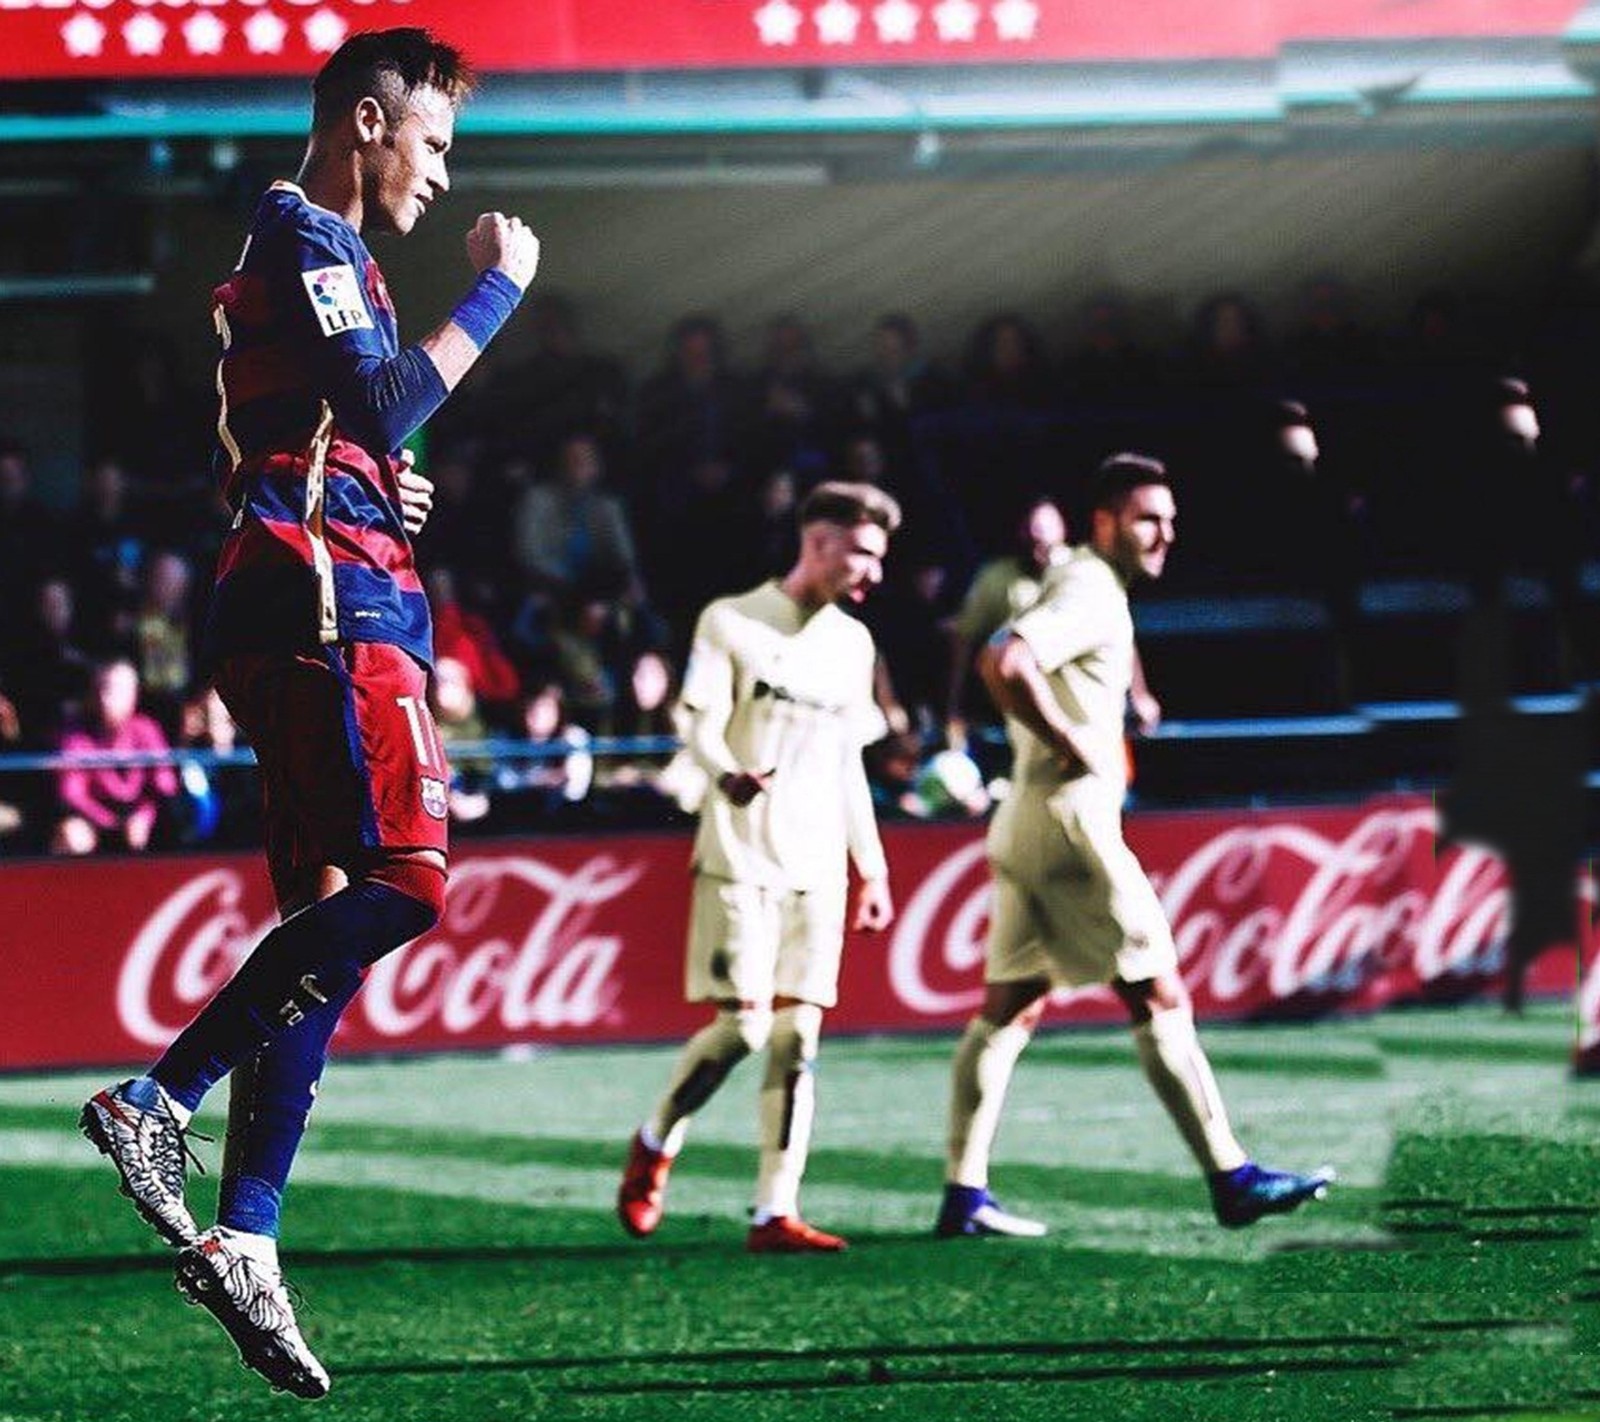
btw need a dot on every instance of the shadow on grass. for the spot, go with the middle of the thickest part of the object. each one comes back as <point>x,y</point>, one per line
<point>1165,1359</point>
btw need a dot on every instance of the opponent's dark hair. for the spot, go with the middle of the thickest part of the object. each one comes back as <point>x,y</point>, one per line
<point>849,504</point>
<point>1120,474</point>
<point>389,66</point>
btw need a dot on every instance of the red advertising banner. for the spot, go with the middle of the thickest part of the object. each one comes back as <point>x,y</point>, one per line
<point>240,38</point>
<point>571,940</point>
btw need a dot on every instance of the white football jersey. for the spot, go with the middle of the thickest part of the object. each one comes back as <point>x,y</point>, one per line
<point>1080,631</point>
<point>773,687</point>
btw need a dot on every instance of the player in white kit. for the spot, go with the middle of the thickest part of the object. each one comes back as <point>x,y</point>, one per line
<point>1071,904</point>
<point>777,702</point>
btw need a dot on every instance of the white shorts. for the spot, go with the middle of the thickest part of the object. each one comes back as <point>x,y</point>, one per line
<point>1071,902</point>
<point>752,944</point>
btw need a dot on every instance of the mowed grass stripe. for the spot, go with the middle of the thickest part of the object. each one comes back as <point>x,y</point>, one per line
<point>1168,1226</point>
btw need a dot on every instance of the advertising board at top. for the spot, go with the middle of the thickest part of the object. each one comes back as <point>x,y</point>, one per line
<point>54,39</point>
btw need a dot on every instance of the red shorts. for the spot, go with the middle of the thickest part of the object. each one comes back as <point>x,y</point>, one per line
<point>351,762</point>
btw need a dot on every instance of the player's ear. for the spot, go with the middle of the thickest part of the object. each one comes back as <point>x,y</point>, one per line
<point>371,125</point>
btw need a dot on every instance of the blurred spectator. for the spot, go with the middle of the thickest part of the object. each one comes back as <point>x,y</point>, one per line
<point>551,785</point>
<point>1326,347</point>
<point>702,542</point>
<point>1302,493</point>
<point>467,526</point>
<point>571,532</point>
<point>1006,367</point>
<point>774,537</point>
<point>1439,339</point>
<point>107,550</point>
<point>217,802</point>
<point>900,383</point>
<point>892,767</point>
<point>1502,472</point>
<point>49,671</point>
<point>908,617</point>
<point>1107,367</point>
<point>10,739</point>
<point>163,425</point>
<point>1228,351</point>
<point>161,637</point>
<point>527,407</point>
<point>112,802</point>
<point>862,459</point>
<point>470,640</point>
<point>205,723</point>
<point>1002,588</point>
<point>693,409</point>
<point>452,699</point>
<point>30,536</point>
<point>598,645</point>
<point>797,408</point>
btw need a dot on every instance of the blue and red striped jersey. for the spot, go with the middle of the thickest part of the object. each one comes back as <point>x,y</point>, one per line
<point>317,552</point>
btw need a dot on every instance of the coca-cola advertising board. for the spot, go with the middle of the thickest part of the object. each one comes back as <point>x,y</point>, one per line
<point>163,38</point>
<point>581,940</point>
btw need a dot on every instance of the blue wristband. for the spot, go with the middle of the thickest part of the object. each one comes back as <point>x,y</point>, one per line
<point>487,306</point>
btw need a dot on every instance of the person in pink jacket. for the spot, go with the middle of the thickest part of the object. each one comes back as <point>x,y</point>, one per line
<point>114,803</point>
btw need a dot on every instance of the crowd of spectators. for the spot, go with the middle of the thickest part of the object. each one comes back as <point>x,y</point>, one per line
<point>584,514</point>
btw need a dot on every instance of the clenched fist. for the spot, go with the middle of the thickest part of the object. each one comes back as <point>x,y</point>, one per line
<point>506,243</point>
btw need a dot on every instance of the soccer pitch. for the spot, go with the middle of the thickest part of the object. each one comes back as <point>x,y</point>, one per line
<point>450,1228</point>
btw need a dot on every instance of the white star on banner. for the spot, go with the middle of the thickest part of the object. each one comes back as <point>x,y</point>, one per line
<point>204,33</point>
<point>264,32</point>
<point>837,22</point>
<point>896,21</point>
<point>83,35</point>
<point>1016,19</point>
<point>779,22</point>
<point>957,19</point>
<point>325,32</point>
<point>144,34</point>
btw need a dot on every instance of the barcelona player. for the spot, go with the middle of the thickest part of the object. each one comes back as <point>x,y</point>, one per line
<point>321,637</point>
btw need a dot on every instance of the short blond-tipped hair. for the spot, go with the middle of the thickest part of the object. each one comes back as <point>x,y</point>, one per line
<point>849,504</point>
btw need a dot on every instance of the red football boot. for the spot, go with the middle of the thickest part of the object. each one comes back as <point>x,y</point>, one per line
<point>787,1234</point>
<point>642,1195</point>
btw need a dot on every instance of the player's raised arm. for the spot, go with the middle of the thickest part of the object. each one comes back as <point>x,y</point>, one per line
<point>384,399</point>
<point>505,254</point>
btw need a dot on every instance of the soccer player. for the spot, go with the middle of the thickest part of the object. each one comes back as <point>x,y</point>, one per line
<point>321,635</point>
<point>1009,585</point>
<point>1071,904</point>
<point>777,703</point>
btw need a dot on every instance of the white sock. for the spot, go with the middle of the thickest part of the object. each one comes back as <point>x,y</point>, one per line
<point>263,1248</point>
<point>788,1107</point>
<point>703,1065</point>
<point>1177,1068</point>
<point>979,1076</point>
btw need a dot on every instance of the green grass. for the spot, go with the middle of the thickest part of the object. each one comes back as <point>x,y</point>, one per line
<point>451,1230</point>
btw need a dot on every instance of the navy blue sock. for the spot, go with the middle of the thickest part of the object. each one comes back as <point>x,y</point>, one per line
<point>144,1093</point>
<point>303,966</point>
<point>269,1107</point>
<point>248,1203</point>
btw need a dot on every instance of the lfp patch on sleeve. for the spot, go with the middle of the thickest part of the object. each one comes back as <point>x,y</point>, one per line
<point>337,298</point>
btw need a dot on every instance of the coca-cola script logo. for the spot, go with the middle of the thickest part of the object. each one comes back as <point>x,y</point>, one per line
<point>518,948</point>
<point>1263,912</point>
